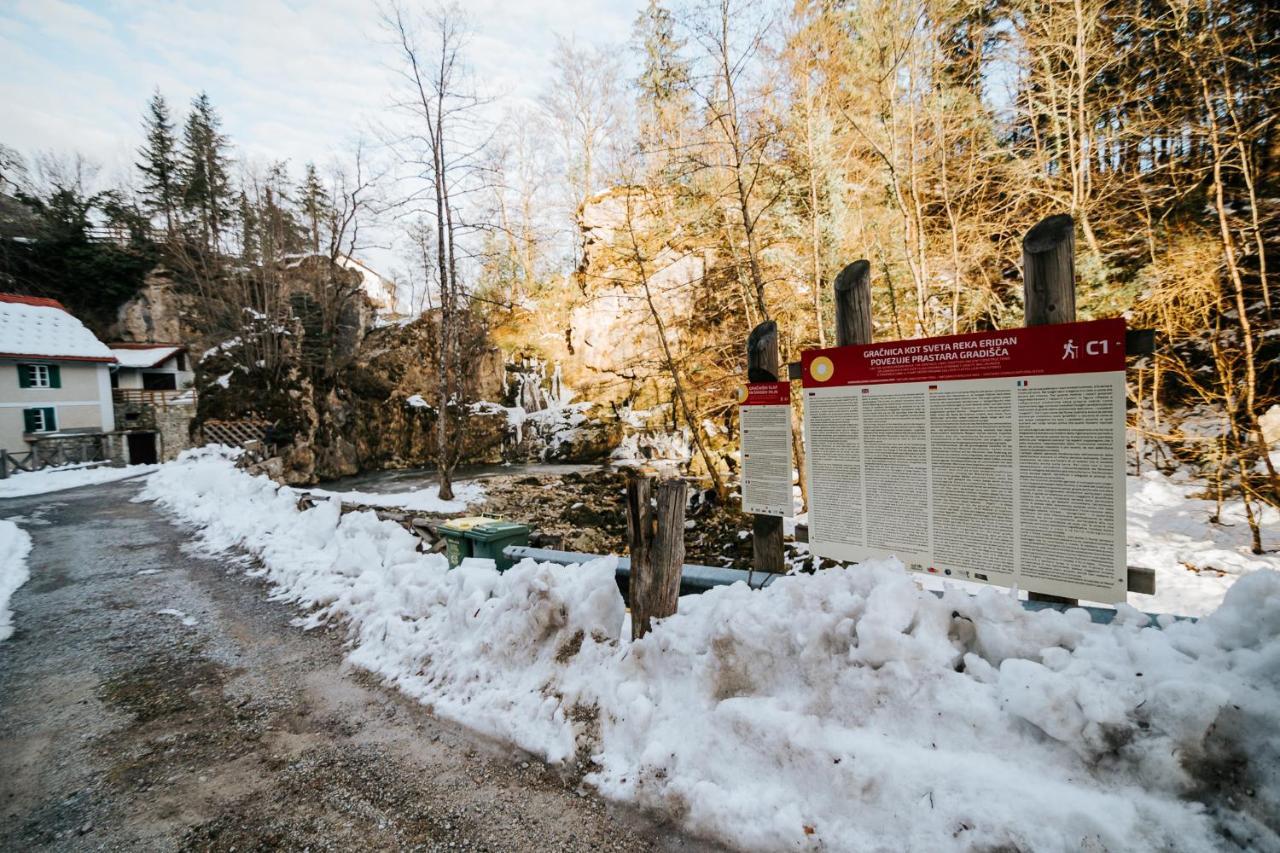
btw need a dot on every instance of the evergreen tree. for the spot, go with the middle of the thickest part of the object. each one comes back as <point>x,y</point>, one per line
<point>278,228</point>
<point>206,188</point>
<point>159,165</point>
<point>248,231</point>
<point>664,79</point>
<point>315,203</point>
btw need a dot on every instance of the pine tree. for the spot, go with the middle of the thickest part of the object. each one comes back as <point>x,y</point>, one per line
<point>159,165</point>
<point>206,189</point>
<point>248,231</point>
<point>278,228</point>
<point>314,202</point>
<point>664,79</point>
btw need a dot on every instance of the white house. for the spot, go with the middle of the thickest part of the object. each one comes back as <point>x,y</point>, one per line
<point>151,367</point>
<point>55,375</point>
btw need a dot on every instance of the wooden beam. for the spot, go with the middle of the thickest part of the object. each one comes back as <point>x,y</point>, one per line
<point>1049,294</point>
<point>657,550</point>
<point>1049,271</point>
<point>853,304</point>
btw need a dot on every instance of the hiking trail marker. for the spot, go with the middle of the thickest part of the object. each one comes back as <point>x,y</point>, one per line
<point>764,416</point>
<point>995,457</point>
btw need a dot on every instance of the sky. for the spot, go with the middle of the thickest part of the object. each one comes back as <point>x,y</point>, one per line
<point>299,80</point>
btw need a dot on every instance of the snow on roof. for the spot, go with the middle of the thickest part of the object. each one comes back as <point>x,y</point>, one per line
<point>144,355</point>
<point>41,328</point>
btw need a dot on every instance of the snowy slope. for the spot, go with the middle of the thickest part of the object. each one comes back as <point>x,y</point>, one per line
<point>846,710</point>
<point>1196,561</point>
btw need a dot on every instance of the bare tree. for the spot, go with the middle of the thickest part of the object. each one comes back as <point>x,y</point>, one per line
<point>443,156</point>
<point>582,110</point>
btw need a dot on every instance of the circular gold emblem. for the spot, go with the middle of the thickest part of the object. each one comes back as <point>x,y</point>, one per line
<point>822,369</point>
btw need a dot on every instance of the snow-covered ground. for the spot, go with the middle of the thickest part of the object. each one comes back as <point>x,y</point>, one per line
<point>15,545</point>
<point>846,710</point>
<point>417,500</point>
<point>1195,560</point>
<point>56,479</point>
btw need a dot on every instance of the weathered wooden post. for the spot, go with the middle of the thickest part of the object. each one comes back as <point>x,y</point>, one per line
<point>766,530</point>
<point>1049,271</point>
<point>657,549</point>
<point>4,464</point>
<point>853,304</point>
<point>1049,292</point>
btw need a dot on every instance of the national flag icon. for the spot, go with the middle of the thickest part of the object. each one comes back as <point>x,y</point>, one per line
<point>1022,383</point>
<point>866,390</point>
<point>933,387</point>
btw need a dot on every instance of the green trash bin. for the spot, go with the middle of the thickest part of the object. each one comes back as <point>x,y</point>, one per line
<point>457,545</point>
<point>488,540</point>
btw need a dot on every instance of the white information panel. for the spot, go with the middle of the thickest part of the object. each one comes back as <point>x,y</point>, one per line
<point>996,457</point>
<point>764,416</point>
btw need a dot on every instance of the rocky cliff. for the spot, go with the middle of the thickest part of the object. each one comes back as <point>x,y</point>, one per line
<point>343,387</point>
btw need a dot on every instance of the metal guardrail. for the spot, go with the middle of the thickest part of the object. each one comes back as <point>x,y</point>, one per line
<point>696,579</point>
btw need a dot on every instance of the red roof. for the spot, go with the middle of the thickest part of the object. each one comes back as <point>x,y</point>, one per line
<point>32,300</point>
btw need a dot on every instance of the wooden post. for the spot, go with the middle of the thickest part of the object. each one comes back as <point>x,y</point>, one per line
<point>1049,271</point>
<point>1049,293</point>
<point>4,464</point>
<point>853,304</point>
<point>657,550</point>
<point>766,530</point>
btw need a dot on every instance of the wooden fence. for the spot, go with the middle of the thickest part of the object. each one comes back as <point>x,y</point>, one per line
<point>234,433</point>
<point>58,453</point>
<point>145,397</point>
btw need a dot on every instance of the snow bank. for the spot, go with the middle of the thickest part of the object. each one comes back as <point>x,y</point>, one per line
<point>57,479</point>
<point>846,710</point>
<point>15,545</point>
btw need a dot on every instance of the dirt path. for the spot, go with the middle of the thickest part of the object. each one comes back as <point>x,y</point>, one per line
<point>218,726</point>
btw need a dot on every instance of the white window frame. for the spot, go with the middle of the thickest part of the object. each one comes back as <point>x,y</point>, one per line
<point>39,376</point>
<point>44,427</point>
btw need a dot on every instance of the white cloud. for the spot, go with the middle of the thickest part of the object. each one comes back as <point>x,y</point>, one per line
<point>293,81</point>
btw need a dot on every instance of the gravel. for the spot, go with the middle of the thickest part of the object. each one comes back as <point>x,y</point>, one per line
<point>124,727</point>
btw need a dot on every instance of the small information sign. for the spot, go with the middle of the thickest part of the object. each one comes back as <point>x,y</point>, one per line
<point>995,457</point>
<point>764,413</point>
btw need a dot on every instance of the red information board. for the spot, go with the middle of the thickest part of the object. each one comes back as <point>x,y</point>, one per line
<point>765,394</point>
<point>995,457</point>
<point>1093,347</point>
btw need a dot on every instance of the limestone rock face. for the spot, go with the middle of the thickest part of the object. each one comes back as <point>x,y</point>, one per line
<point>157,312</point>
<point>611,328</point>
<point>342,393</point>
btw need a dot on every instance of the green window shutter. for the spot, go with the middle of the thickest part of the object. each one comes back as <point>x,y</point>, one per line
<point>29,420</point>
<point>51,419</point>
<point>24,376</point>
<point>55,376</point>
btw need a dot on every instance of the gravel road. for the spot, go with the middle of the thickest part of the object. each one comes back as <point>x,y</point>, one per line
<point>151,699</point>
